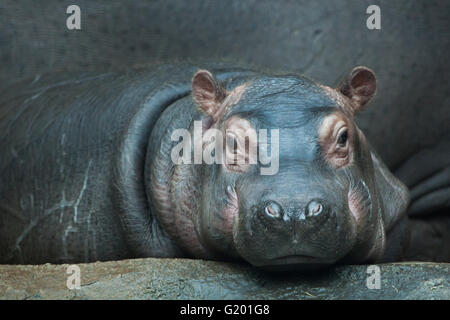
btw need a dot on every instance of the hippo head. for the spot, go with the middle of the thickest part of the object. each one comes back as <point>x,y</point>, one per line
<point>297,185</point>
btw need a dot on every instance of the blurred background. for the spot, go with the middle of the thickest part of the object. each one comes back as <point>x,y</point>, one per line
<point>322,39</point>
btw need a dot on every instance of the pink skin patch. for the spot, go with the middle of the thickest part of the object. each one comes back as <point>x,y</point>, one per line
<point>183,190</point>
<point>230,212</point>
<point>360,204</point>
<point>241,145</point>
<point>357,206</point>
<point>336,139</point>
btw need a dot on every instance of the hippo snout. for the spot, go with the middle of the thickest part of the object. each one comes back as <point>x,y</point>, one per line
<point>294,232</point>
<point>294,223</point>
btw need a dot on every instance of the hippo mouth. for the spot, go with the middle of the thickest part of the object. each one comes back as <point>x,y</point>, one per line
<point>294,259</point>
<point>296,262</point>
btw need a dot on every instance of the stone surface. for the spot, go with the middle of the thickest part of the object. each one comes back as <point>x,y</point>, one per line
<point>197,279</point>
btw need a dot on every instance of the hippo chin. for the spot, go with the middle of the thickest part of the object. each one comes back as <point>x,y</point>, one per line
<point>286,179</point>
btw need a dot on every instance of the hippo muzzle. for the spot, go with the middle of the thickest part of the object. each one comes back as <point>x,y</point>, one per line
<point>308,227</point>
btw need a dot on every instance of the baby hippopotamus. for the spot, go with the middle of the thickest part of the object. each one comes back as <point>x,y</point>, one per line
<point>180,161</point>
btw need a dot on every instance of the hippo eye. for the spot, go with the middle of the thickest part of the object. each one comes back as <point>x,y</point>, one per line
<point>343,138</point>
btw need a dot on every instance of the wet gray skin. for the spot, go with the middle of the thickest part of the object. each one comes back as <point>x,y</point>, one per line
<point>88,173</point>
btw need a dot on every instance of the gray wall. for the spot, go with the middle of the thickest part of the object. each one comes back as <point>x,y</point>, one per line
<point>322,39</point>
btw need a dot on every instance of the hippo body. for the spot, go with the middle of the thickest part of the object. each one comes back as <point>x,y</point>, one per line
<point>73,148</point>
<point>86,171</point>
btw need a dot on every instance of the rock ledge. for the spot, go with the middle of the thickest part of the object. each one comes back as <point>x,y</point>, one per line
<point>196,279</point>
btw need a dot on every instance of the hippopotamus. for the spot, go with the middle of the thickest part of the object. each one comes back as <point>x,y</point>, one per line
<point>88,173</point>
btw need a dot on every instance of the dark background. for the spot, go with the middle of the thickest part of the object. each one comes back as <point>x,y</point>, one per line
<point>322,39</point>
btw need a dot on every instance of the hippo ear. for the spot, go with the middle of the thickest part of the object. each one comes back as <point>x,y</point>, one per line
<point>359,86</point>
<point>208,93</point>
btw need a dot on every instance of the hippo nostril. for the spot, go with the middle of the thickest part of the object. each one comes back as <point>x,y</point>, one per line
<point>314,208</point>
<point>273,209</point>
